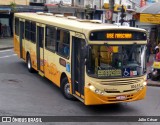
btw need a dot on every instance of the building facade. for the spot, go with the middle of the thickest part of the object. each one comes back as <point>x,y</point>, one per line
<point>7,10</point>
<point>83,9</point>
<point>18,2</point>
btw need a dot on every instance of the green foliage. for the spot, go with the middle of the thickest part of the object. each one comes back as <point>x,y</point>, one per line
<point>88,6</point>
<point>13,6</point>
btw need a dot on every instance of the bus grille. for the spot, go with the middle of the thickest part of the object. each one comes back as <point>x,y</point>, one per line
<point>119,91</point>
<point>115,82</point>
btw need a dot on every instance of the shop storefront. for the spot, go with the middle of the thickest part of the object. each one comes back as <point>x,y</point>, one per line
<point>149,18</point>
<point>5,22</point>
<point>152,19</point>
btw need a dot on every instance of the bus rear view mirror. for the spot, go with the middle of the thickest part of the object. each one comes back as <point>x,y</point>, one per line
<point>84,52</point>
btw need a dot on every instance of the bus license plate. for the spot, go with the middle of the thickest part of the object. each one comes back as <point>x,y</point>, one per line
<point>121,97</point>
<point>135,86</point>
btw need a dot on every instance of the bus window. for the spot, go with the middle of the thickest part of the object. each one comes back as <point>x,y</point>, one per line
<point>17,26</point>
<point>27,30</point>
<point>50,38</point>
<point>33,32</point>
<point>108,61</point>
<point>30,31</point>
<point>63,43</point>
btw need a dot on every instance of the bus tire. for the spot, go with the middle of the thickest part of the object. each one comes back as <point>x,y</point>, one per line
<point>29,64</point>
<point>66,89</point>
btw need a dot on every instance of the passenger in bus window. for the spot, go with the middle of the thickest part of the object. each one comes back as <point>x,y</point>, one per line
<point>66,51</point>
<point>116,59</point>
<point>61,49</point>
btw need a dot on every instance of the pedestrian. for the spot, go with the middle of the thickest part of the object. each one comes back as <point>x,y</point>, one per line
<point>149,46</point>
<point>158,54</point>
<point>156,49</point>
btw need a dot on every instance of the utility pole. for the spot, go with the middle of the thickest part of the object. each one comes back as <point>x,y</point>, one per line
<point>111,8</point>
<point>72,2</point>
<point>122,15</point>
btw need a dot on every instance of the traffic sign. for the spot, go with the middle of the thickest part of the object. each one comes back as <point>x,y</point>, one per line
<point>108,14</point>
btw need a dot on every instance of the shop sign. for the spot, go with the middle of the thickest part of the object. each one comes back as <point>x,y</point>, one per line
<point>106,5</point>
<point>150,18</point>
<point>118,7</point>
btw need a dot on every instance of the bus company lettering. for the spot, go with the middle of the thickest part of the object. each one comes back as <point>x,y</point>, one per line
<point>111,72</point>
<point>119,35</point>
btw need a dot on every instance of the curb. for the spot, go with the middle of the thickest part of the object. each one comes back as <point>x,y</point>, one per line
<point>153,84</point>
<point>6,48</point>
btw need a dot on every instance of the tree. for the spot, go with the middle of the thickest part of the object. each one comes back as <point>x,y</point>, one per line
<point>13,6</point>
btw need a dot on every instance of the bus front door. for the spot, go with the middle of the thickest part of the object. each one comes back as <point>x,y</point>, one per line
<point>21,39</point>
<point>77,68</point>
<point>40,48</point>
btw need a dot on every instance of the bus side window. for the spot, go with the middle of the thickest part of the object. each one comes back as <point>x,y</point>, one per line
<point>16,26</point>
<point>27,30</point>
<point>50,38</point>
<point>63,43</point>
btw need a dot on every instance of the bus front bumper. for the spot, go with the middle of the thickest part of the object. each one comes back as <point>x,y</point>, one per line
<point>92,98</point>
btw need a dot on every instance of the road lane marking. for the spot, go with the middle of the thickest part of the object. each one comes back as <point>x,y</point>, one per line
<point>2,51</point>
<point>8,56</point>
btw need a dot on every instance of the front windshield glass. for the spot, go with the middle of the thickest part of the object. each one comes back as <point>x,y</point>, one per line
<point>117,61</point>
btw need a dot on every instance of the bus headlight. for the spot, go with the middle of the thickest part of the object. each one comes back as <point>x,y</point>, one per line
<point>102,93</point>
<point>91,87</point>
<point>97,91</point>
<point>144,83</point>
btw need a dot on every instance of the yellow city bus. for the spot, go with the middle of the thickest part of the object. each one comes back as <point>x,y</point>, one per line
<point>94,62</point>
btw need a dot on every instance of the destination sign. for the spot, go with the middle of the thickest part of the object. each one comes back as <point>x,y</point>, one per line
<point>117,35</point>
<point>110,72</point>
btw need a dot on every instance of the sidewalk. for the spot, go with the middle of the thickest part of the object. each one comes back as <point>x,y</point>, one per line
<point>149,67</point>
<point>6,43</point>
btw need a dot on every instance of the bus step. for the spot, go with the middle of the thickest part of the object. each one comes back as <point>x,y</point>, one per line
<point>78,98</point>
<point>41,73</point>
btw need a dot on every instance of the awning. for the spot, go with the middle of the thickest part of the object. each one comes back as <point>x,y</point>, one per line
<point>153,8</point>
<point>150,13</point>
<point>5,10</point>
<point>150,18</point>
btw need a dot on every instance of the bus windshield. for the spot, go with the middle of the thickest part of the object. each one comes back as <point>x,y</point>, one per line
<point>116,61</point>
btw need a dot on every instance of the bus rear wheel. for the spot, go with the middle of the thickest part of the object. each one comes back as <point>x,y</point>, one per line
<point>66,89</point>
<point>29,64</point>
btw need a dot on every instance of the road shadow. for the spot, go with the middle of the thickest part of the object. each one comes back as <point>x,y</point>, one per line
<point>110,108</point>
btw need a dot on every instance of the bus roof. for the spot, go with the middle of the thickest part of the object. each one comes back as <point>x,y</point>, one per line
<point>71,24</point>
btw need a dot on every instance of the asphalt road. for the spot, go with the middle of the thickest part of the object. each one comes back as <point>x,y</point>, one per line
<point>28,94</point>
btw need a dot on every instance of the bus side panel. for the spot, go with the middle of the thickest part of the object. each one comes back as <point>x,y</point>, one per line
<point>51,69</point>
<point>24,49</point>
<point>31,49</point>
<point>92,98</point>
<point>16,45</point>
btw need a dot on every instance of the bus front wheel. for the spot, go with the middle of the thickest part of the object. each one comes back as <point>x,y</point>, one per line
<point>29,64</point>
<point>66,89</point>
